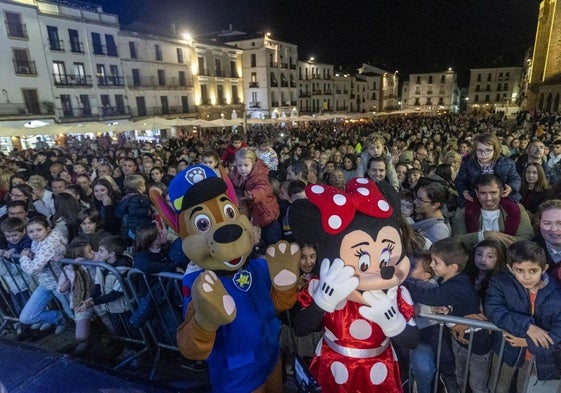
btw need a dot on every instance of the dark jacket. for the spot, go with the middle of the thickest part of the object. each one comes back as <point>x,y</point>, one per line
<point>470,170</point>
<point>135,210</point>
<point>459,293</point>
<point>264,205</point>
<point>522,163</point>
<point>25,242</point>
<point>508,306</point>
<point>93,240</point>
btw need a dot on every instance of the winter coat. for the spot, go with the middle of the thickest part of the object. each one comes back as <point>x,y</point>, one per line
<point>508,306</point>
<point>135,210</point>
<point>46,253</point>
<point>470,170</point>
<point>264,205</point>
<point>391,174</point>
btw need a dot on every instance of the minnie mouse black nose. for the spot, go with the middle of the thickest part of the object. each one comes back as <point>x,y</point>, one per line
<point>387,272</point>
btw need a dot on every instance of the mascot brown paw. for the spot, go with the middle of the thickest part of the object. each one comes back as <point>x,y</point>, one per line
<point>283,260</point>
<point>214,307</point>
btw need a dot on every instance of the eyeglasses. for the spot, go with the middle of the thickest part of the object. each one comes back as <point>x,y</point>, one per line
<point>418,201</point>
<point>548,225</point>
<point>484,151</point>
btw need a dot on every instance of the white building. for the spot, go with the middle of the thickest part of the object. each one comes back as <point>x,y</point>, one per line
<point>269,72</point>
<point>315,83</point>
<point>382,88</point>
<point>431,92</point>
<point>494,89</point>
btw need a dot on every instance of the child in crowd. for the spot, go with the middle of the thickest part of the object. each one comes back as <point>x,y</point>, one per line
<point>251,178</point>
<point>39,261</point>
<point>107,292</point>
<point>375,146</point>
<point>152,258</point>
<point>422,358</point>
<point>236,143</point>
<point>407,206</point>
<point>13,229</point>
<point>76,283</point>
<point>265,152</point>
<point>134,209</point>
<point>457,294</point>
<point>210,159</point>
<point>91,228</point>
<point>488,260</point>
<point>305,345</point>
<point>526,304</point>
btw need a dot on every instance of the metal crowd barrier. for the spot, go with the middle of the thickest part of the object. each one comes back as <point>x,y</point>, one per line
<point>163,292</point>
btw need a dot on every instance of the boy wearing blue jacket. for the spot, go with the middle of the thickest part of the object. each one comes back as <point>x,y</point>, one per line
<point>526,304</point>
<point>457,294</point>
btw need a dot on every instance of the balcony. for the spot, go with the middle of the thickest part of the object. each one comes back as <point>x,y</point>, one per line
<point>76,47</point>
<point>17,30</point>
<point>80,113</point>
<point>111,111</point>
<point>293,66</point>
<point>304,94</point>
<point>273,64</point>
<point>284,66</point>
<point>254,104</point>
<point>328,92</point>
<point>99,49</point>
<point>317,92</point>
<point>25,67</point>
<point>72,80</point>
<point>155,83</point>
<point>274,103</point>
<point>338,91</point>
<point>219,73</point>
<point>284,83</point>
<point>21,109</point>
<point>253,84</point>
<point>56,45</point>
<point>274,84</point>
<point>206,101</point>
<point>112,51</point>
<point>293,84</point>
<point>110,81</point>
<point>293,103</point>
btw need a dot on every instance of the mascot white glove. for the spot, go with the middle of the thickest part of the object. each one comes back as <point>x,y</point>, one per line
<point>382,310</point>
<point>336,282</point>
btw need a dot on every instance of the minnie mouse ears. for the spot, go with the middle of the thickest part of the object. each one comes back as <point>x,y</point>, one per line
<point>194,185</point>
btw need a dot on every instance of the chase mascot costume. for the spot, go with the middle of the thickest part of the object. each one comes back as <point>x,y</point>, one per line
<point>230,300</point>
<point>358,297</point>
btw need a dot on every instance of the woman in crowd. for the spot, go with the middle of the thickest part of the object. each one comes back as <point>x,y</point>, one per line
<point>106,198</point>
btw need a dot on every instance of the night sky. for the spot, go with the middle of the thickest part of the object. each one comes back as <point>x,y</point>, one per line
<point>405,35</point>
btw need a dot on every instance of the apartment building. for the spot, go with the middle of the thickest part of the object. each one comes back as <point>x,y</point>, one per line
<point>494,89</point>
<point>431,92</point>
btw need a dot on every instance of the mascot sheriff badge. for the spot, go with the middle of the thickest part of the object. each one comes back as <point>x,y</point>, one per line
<point>358,297</point>
<point>230,305</point>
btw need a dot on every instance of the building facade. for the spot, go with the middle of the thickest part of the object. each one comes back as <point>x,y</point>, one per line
<point>431,92</point>
<point>494,89</point>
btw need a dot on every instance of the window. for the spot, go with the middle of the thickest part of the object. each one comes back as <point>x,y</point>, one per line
<point>86,109</point>
<point>505,87</point>
<point>476,98</point>
<point>54,42</point>
<point>254,101</point>
<point>31,99</point>
<point>220,94</point>
<point>182,79</point>
<point>136,77</point>
<point>158,51</point>
<point>253,60</point>
<point>22,64</point>
<point>120,104</point>
<point>218,67</point>
<point>418,90</point>
<point>442,78</point>
<point>430,78</point>
<point>477,87</point>
<point>488,88</point>
<point>235,97</point>
<point>180,55</point>
<point>418,80</point>
<point>75,44</point>
<point>132,50</point>
<point>489,77</point>
<point>374,86</point>
<point>111,46</point>
<point>507,76</point>
<point>16,29</point>
<point>417,102</point>
<point>499,87</point>
<point>233,70</point>
<point>105,102</point>
<point>498,97</point>
<point>66,103</point>
<point>274,82</point>
<point>165,105</point>
<point>161,78</point>
<point>204,95</point>
<point>201,62</point>
<point>441,101</point>
<point>185,104</point>
<point>479,77</point>
<point>59,72</point>
<point>96,44</point>
<point>487,98</point>
<point>100,73</point>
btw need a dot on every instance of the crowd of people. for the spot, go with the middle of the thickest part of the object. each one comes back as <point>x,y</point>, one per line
<point>480,202</point>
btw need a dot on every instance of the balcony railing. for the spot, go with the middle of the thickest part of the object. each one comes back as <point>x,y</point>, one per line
<point>109,111</point>
<point>203,72</point>
<point>110,81</point>
<point>304,94</point>
<point>56,45</point>
<point>219,73</point>
<point>274,103</point>
<point>284,66</point>
<point>254,104</point>
<point>25,67</point>
<point>293,66</point>
<point>293,103</point>
<point>293,84</point>
<point>206,101</point>
<point>274,84</point>
<point>16,30</point>
<point>72,80</point>
<point>284,83</point>
<point>22,109</point>
<point>77,113</point>
<point>155,82</point>
<point>99,49</point>
<point>317,92</point>
<point>112,51</point>
<point>273,64</point>
<point>253,84</point>
<point>76,47</point>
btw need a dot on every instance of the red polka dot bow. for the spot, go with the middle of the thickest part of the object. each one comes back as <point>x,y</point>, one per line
<point>338,207</point>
